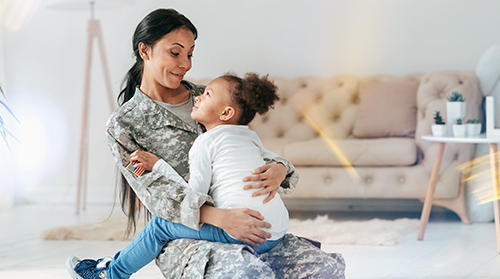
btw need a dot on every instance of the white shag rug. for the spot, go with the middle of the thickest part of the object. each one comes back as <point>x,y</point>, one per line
<point>371,232</point>
<point>327,231</point>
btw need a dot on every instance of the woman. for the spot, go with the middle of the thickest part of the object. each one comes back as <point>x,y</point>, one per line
<point>155,116</point>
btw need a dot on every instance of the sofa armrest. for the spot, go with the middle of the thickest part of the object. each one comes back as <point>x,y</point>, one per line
<point>431,97</point>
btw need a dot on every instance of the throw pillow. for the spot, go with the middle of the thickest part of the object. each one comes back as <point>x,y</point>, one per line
<point>387,108</point>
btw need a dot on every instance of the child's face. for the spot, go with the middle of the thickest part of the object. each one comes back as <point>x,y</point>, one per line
<point>210,106</point>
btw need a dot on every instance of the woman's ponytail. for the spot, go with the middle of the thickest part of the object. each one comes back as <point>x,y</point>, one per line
<point>131,81</point>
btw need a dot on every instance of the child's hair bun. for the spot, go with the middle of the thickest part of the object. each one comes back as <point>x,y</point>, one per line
<point>258,92</point>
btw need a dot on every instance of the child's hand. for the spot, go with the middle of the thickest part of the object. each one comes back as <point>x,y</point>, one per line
<point>143,159</point>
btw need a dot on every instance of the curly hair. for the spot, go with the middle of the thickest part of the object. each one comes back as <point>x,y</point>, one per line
<point>252,94</point>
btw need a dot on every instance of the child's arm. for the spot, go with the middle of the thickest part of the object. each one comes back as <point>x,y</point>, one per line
<point>149,161</point>
<point>200,166</point>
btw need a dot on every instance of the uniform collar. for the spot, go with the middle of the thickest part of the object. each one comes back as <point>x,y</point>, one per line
<point>157,116</point>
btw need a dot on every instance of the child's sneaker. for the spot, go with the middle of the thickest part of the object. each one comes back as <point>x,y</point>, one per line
<point>87,269</point>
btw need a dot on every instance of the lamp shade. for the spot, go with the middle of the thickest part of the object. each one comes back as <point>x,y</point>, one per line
<point>85,4</point>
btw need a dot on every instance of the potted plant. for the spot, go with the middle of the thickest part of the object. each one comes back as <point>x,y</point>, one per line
<point>439,127</point>
<point>4,132</point>
<point>473,127</point>
<point>459,128</point>
<point>455,109</point>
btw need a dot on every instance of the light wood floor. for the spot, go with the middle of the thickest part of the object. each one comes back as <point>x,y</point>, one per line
<point>450,249</point>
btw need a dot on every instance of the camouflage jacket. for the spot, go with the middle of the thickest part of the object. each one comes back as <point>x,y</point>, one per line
<point>141,124</point>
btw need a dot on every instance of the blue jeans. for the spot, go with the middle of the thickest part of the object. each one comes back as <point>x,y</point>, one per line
<point>148,244</point>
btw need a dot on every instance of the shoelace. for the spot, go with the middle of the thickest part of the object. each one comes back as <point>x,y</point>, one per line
<point>92,268</point>
<point>85,265</point>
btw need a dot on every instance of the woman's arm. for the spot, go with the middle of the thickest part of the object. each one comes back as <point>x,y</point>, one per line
<point>277,176</point>
<point>269,177</point>
<point>287,185</point>
<point>241,223</point>
<point>161,196</point>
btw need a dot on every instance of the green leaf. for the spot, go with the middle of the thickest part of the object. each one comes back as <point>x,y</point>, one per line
<point>8,109</point>
<point>4,130</point>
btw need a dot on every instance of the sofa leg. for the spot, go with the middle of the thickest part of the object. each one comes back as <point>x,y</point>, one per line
<point>457,204</point>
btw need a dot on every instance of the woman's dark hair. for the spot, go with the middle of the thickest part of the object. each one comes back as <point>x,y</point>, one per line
<point>252,94</point>
<point>152,28</point>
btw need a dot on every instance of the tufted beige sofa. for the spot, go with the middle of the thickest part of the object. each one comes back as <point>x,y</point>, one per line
<point>316,118</point>
<point>316,125</point>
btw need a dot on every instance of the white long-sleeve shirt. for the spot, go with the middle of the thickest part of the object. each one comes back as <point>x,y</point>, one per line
<point>218,161</point>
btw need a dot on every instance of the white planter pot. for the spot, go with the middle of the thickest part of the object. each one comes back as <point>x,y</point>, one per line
<point>454,110</point>
<point>459,130</point>
<point>439,130</point>
<point>473,129</point>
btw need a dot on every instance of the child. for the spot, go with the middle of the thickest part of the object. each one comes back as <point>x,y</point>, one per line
<point>218,159</point>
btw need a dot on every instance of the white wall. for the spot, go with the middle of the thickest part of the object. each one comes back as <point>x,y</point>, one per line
<point>44,65</point>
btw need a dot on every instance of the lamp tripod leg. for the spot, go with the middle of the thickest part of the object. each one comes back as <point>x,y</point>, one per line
<point>83,164</point>
<point>105,68</point>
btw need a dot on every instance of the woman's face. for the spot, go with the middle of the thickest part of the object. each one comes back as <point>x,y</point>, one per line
<point>166,63</point>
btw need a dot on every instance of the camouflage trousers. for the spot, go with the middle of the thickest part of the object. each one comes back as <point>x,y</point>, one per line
<point>293,257</point>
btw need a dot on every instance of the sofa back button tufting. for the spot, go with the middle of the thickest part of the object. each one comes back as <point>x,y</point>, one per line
<point>319,97</point>
<point>401,179</point>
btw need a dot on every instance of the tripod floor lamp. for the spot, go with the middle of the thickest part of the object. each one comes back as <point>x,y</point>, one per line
<point>94,34</point>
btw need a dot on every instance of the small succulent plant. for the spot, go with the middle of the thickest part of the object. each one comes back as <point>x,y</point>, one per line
<point>473,121</point>
<point>455,97</point>
<point>438,119</point>
<point>459,121</point>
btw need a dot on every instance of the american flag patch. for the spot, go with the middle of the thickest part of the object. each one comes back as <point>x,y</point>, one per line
<point>137,171</point>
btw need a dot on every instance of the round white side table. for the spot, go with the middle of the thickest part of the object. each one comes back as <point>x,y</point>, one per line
<point>429,197</point>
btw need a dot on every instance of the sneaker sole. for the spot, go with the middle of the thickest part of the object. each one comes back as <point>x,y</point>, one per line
<point>71,262</point>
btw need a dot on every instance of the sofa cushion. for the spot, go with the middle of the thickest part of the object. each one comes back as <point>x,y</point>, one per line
<point>387,107</point>
<point>277,145</point>
<point>359,152</point>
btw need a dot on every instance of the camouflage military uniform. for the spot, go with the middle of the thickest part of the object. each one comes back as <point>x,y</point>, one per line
<point>142,124</point>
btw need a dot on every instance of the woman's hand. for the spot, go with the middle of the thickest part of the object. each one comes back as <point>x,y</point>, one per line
<point>143,159</point>
<point>241,223</point>
<point>269,177</point>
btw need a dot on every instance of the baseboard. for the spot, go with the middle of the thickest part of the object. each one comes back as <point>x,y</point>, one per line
<point>380,205</point>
